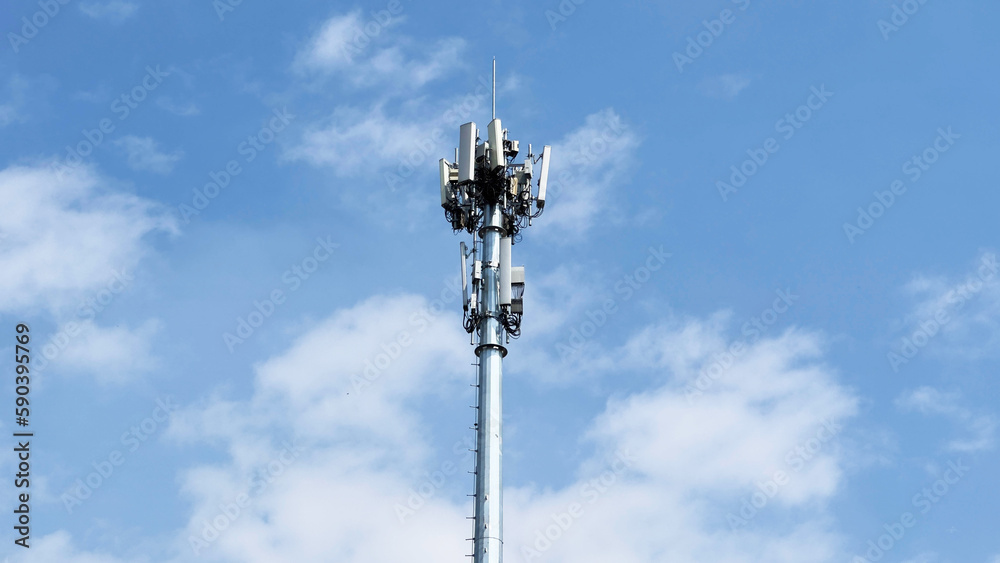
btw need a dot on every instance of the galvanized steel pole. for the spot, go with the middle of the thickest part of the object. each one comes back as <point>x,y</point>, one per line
<point>488,541</point>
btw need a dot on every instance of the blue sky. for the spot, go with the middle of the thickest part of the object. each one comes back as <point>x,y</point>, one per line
<point>762,307</point>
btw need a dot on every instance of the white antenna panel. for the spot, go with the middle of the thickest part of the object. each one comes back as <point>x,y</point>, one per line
<point>465,278</point>
<point>445,182</point>
<point>496,143</point>
<point>505,270</point>
<point>543,176</point>
<point>467,152</point>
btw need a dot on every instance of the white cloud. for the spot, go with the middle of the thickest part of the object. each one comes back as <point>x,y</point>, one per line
<point>443,57</point>
<point>557,296</point>
<point>691,464</point>
<point>143,154</point>
<point>589,166</point>
<point>342,46</point>
<point>400,141</point>
<point>183,110</point>
<point>99,95</point>
<point>930,401</point>
<point>58,547</point>
<point>383,135</point>
<point>964,309</point>
<point>346,392</point>
<point>66,234</point>
<point>329,48</point>
<point>392,151</point>
<point>352,141</point>
<point>350,371</point>
<point>726,86</point>
<point>694,462</point>
<point>114,11</point>
<point>66,239</point>
<point>772,397</point>
<point>328,457</point>
<point>112,354</point>
<point>563,338</point>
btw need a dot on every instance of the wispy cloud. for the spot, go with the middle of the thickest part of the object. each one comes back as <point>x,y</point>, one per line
<point>965,307</point>
<point>99,95</point>
<point>726,86</point>
<point>329,49</point>
<point>588,164</point>
<point>345,46</point>
<point>65,237</point>
<point>981,428</point>
<point>18,93</point>
<point>115,354</point>
<point>12,104</point>
<point>352,139</point>
<point>114,11</point>
<point>180,109</point>
<point>89,231</point>
<point>143,154</point>
<point>382,133</point>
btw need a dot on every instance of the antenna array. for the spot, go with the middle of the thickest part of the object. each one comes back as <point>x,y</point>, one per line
<point>485,193</point>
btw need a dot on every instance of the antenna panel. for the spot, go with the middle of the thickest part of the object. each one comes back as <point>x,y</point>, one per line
<point>445,169</point>
<point>465,279</point>
<point>543,175</point>
<point>505,270</point>
<point>467,152</point>
<point>496,143</point>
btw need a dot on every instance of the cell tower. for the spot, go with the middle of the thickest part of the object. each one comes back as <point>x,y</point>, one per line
<point>484,193</point>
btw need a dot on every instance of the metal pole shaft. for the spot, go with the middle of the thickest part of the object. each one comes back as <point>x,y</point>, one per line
<point>488,538</point>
